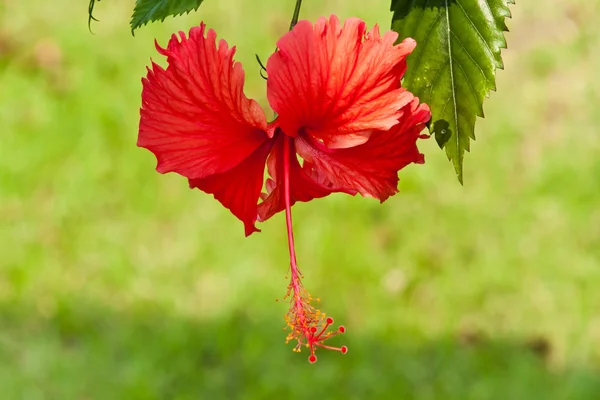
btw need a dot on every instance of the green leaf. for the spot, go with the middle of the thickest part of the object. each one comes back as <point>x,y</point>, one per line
<point>153,10</point>
<point>453,67</point>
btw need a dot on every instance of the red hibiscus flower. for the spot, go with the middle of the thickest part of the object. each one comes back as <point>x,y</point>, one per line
<point>344,124</point>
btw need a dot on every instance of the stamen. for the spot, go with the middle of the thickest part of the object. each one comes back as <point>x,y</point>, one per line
<point>303,319</point>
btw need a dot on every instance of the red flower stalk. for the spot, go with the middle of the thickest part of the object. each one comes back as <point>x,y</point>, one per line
<point>341,109</point>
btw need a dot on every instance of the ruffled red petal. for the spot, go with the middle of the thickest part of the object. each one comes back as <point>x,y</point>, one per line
<point>238,189</point>
<point>302,186</point>
<point>333,80</point>
<point>195,117</point>
<point>371,168</point>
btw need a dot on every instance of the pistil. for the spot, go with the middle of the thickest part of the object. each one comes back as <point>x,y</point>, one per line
<point>303,319</point>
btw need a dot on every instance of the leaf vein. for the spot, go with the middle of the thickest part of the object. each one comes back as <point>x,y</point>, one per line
<point>422,12</point>
<point>471,57</point>
<point>467,79</point>
<point>487,46</point>
<point>439,73</point>
<point>418,60</point>
<point>452,81</point>
<point>150,12</point>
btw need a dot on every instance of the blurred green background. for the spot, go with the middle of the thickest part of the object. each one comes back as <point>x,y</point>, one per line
<point>119,283</point>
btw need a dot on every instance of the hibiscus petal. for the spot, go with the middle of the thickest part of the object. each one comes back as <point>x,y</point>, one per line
<point>195,117</point>
<point>333,80</point>
<point>238,189</point>
<point>302,186</point>
<point>371,168</point>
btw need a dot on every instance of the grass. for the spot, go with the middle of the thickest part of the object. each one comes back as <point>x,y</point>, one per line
<point>119,283</point>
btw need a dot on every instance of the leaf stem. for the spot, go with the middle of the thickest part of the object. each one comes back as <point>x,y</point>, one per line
<point>296,14</point>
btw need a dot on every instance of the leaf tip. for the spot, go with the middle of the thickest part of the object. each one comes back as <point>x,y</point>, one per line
<point>458,166</point>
